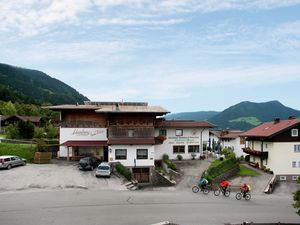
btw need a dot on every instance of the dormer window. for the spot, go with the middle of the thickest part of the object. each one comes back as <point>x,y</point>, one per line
<point>295,133</point>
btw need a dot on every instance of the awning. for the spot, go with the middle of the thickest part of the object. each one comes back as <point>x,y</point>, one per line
<point>84,143</point>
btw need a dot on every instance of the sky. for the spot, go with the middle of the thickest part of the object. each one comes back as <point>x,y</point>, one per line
<point>184,55</point>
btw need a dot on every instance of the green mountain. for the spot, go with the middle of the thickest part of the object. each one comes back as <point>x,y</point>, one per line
<point>33,86</point>
<point>246,115</point>
<point>198,116</point>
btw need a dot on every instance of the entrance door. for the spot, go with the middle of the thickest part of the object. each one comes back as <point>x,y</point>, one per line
<point>142,175</point>
<point>105,149</point>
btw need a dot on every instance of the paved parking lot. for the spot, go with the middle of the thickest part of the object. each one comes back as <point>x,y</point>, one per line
<point>57,175</point>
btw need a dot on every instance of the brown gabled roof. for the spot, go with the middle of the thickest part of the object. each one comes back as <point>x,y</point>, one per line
<point>231,134</point>
<point>270,129</point>
<point>183,124</point>
<point>114,107</point>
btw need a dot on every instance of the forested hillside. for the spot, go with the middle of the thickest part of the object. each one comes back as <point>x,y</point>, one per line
<point>32,86</point>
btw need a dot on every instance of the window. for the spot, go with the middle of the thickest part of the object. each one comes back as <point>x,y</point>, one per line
<point>179,149</point>
<point>142,153</point>
<point>296,148</point>
<point>299,164</point>
<point>162,132</point>
<point>294,132</point>
<point>178,132</point>
<point>121,153</point>
<point>242,141</point>
<point>193,148</point>
<point>294,164</point>
<point>282,178</point>
<point>294,177</point>
<point>130,133</point>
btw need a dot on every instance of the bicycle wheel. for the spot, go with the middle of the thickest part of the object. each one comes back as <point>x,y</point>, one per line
<point>227,193</point>
<point>248,196</point>
<point>195,189</point>
<point>217,192</point>
<point>238,196</point>
<point>205,191</point>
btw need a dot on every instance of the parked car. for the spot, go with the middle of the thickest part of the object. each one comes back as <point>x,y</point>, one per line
<point>104,170</point>
<point>8,161</point>
<point>88,163</point>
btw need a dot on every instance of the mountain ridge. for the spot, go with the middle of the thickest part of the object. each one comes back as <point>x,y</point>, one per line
<point>244,115</point>
<point>34,86</point>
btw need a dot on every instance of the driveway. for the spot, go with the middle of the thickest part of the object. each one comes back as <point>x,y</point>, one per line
<point>192,170</point>
<point>58,175</point>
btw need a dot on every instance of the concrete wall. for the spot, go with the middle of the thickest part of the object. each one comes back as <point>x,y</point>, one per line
<point>131,160</point>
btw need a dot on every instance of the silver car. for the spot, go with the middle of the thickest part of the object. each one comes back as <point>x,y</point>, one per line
<point>104,170</point>
<point>9,161</point>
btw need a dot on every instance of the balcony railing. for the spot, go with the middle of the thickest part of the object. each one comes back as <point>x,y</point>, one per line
<point>263,155</point>
<point>141,132</point>
<point>79,124</point>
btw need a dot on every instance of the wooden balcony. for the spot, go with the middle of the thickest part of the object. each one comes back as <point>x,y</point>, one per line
<point>263,155</point>
<point>79,124</point>
<point>131,132</point>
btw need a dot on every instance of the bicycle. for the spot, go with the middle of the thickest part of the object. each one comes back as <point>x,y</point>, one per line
<point>205,190</point>
<point>226,193</point>
<point>241,195</point>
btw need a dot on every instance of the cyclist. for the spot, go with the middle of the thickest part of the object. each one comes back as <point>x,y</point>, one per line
<point>245,189</point>
<point>224,185</point>
<point>203,182</point>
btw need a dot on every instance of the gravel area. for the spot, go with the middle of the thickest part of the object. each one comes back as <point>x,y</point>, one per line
<point>57,175</point>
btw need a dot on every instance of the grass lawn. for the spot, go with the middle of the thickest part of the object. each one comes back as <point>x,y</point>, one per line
<point>22,150</point>
<point>245,171</point>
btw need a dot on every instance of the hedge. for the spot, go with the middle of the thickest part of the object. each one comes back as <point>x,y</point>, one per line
<point>124,171</point>
<point>219,167</point>
<point>25,151</point>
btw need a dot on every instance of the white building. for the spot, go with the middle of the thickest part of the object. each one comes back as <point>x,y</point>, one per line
<point>181,137</point>
<point>231,139</point>
<point>276,145</point>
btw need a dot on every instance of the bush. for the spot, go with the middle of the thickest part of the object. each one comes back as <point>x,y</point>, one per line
<point>124,171</point>
<point>179,157</point>
<point>171,165</point>
<point>25,151</point>
<point>247,158</point>
<point>165,157</point>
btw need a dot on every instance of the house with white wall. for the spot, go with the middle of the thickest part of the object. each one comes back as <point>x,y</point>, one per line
<point>181,137</point>
<point>276,145</point>
<point>231,139</point>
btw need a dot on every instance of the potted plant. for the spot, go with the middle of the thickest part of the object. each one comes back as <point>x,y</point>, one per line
<point>193,155</point>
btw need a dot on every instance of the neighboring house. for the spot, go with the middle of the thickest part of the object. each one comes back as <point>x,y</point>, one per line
<point>276,145</point>
<point>232,139</point>
<point>181,137</point>
<point>6,120</point>
<point>114,131</point>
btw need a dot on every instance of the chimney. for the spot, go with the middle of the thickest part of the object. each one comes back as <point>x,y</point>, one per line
<point>276,120</point>
<point>292,117</point>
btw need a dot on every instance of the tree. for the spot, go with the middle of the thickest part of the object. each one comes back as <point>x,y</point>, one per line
<point>26,129</point>
<point>12,131</point>
<point>9,109</point>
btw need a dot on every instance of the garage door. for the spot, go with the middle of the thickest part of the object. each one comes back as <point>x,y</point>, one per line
<point>142,175</point>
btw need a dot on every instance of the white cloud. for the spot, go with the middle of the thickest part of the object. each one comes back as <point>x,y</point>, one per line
<point>130,22</point>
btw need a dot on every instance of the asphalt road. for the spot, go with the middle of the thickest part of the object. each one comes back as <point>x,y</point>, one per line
<point>91,207</point>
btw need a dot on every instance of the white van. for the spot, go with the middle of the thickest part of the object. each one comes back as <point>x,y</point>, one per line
<point>104,170</point>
